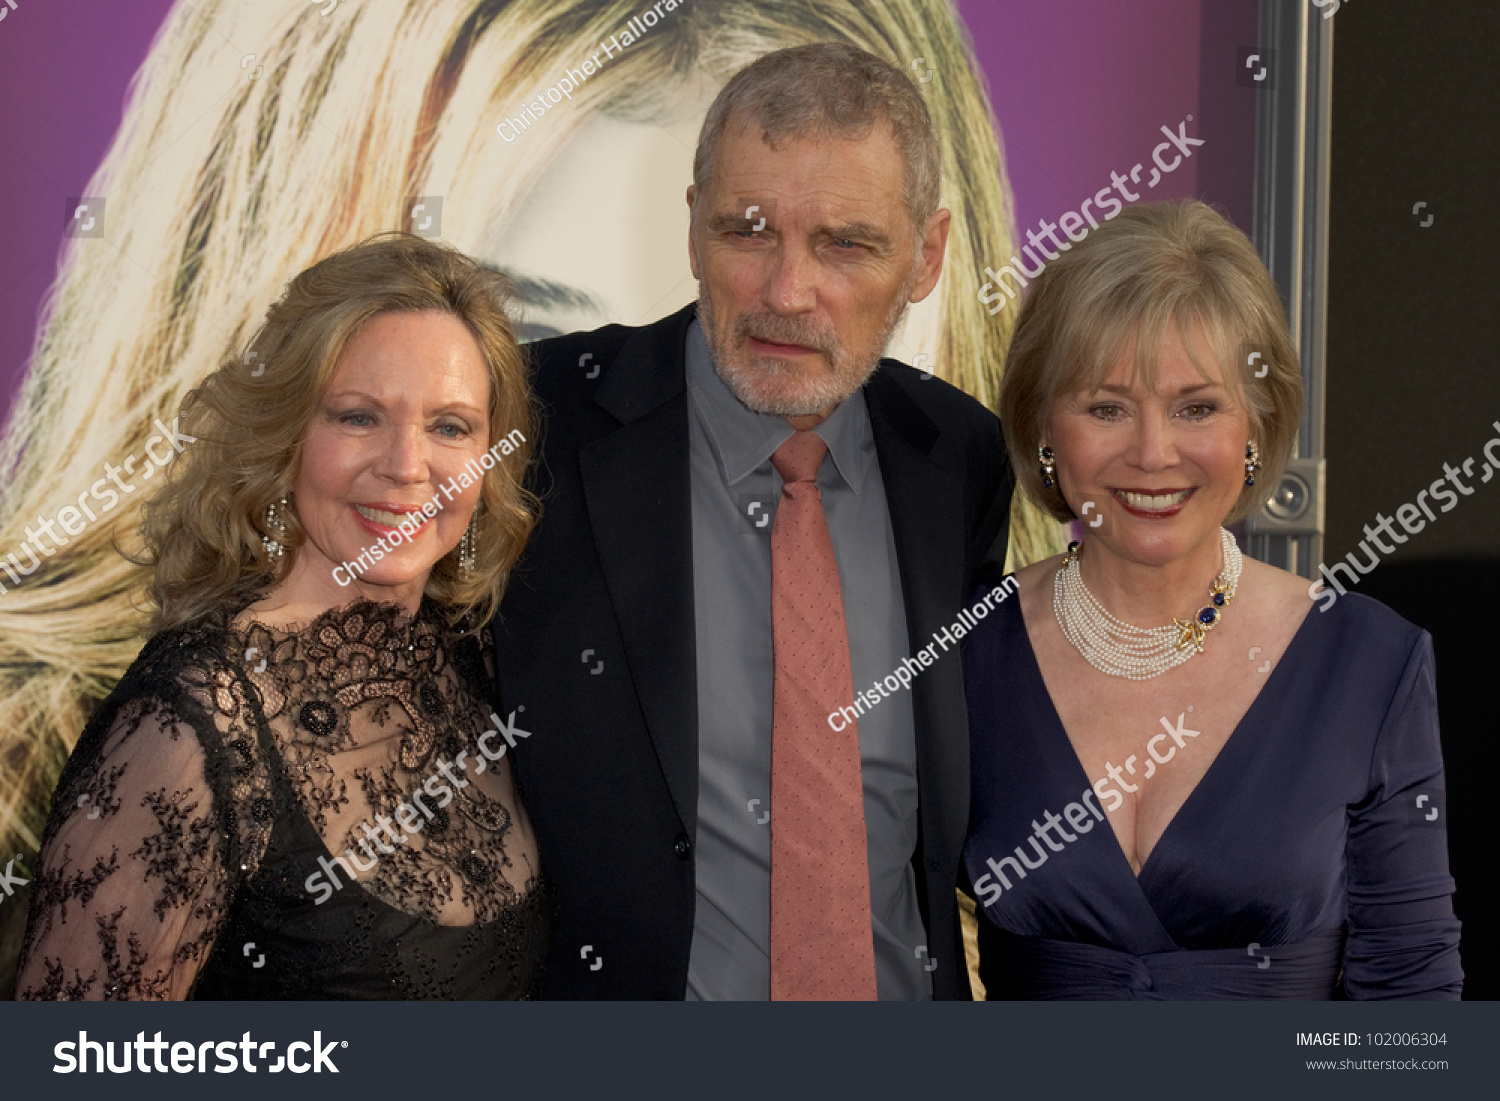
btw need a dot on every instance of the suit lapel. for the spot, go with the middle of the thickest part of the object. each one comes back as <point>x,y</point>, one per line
<point>926,507</point>
<point>928,526</point>
<point>639,499</point>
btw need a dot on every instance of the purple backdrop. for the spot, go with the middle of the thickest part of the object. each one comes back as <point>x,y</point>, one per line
<point>64,68</point>
<point>1081,88</point>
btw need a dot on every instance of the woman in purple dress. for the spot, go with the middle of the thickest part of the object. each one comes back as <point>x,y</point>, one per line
<point>1193,775</point>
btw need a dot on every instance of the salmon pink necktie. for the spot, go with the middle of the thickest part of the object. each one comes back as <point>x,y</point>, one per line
<point>822,947</point>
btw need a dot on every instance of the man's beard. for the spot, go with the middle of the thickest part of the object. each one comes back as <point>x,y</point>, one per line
<point>770,384</point>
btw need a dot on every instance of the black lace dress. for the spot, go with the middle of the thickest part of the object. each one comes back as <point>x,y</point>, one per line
<point>309,813</point>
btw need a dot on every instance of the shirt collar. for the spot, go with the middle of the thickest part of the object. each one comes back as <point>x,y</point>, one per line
<point>744,440</point>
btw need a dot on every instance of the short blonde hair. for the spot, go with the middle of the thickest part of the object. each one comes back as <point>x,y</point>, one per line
<point>1119,291</point>
<point>202,530</point>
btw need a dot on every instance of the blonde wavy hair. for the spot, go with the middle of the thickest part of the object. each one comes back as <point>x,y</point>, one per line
<point>315,144</point>
<point>203,528</point>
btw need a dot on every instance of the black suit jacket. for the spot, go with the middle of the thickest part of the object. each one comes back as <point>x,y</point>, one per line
<point>596,641</point>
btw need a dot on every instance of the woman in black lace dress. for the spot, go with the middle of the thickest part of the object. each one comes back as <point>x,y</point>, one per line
<point>300,788</point>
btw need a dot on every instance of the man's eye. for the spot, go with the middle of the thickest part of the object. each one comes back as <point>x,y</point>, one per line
<point>844,243</point>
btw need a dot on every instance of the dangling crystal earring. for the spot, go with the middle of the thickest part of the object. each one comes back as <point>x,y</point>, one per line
<point>466,551</point>
<point>275,522</point>
<point>1252,462</point>
<point>1049,466</point>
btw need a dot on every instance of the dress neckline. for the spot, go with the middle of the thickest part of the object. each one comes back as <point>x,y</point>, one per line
<point>1034,672</point>
<point>309,680</point>
<point>392,616</point>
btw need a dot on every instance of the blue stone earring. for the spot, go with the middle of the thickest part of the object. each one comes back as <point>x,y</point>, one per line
<point>1049,466</point>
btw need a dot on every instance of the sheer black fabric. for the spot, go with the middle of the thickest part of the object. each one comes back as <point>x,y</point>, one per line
<point>323,811</point>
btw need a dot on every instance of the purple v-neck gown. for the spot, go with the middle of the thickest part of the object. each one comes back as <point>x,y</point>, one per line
<point>1310,862</point>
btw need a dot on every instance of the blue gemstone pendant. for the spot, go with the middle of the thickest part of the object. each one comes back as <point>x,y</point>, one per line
<point>1192,631</point>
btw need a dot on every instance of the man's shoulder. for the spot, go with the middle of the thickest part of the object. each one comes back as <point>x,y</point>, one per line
<point>577,347</point>
<point>577,363</point>
<point>896,385</point>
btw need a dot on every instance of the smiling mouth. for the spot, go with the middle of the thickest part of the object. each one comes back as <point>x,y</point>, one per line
<point>389,519</point>
<point>1152,502</point>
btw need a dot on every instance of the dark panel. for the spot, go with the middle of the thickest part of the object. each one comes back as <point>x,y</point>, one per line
<point>1413,330</point>
<point>1413,317</point>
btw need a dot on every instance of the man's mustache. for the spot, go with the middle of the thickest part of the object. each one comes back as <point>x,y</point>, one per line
<point>786,330</point>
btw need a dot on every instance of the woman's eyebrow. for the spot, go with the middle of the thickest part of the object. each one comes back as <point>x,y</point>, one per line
<point>1125,391</point>
<point>350,392</point>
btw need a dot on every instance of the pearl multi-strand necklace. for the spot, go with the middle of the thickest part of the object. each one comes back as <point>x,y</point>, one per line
<point>1123,650</point>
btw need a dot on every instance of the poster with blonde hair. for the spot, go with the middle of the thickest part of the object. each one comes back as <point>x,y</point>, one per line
<point>551,140</point>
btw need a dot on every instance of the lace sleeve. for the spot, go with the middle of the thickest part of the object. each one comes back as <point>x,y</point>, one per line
<point>131,883</point>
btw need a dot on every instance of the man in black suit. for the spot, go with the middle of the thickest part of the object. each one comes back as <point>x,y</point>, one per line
<point>722,812</point>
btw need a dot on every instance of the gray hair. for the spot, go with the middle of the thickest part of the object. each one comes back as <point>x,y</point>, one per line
<point>831,89</point>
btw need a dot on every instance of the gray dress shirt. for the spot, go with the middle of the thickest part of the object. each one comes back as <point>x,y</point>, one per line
<point>735,491</point>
